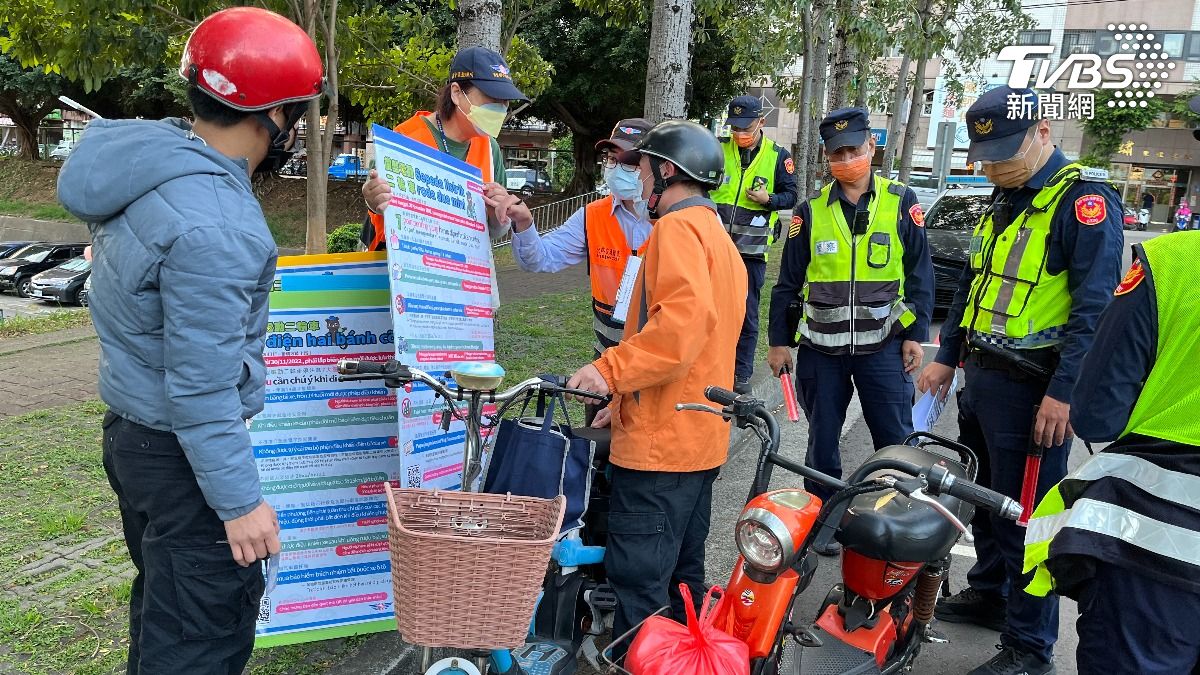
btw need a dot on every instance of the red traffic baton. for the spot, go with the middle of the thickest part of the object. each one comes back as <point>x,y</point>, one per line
<point>1033,468</point>
<point>789,394</point>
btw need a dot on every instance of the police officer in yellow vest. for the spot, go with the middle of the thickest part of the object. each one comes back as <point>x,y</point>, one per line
<point>856,267</point>
<point>604,234</point>
<point>1043,260</point>
<point>1121,534</point>
<point>759,181</point>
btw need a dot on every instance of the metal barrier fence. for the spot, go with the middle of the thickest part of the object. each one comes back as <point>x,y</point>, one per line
<point>551,216</point>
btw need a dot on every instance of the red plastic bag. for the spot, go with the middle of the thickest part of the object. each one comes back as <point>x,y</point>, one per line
<point>664,647</point>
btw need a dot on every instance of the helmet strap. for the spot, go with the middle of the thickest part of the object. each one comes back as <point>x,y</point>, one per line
<point>278,153</point>
<point>660,184</point>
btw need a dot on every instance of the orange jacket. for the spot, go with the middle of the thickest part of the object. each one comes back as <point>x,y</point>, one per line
<point>681,334</point>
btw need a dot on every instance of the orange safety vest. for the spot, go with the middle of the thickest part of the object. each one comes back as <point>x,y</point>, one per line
<point>608,252</point>
<point>479,155</point>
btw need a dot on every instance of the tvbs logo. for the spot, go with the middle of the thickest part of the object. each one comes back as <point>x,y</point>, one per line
<point>1139,66</point>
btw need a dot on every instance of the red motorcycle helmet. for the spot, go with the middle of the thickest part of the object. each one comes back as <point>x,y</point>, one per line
<point>252,59</point>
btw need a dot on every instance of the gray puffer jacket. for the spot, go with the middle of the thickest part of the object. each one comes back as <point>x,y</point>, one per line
<point>183,265</point>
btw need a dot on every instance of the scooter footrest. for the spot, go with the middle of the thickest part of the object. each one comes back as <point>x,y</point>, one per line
<point>833,657</point>
<point>544,658</point>
<point>603,598</point>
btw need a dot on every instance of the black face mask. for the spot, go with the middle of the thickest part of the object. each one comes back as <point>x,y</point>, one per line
<point>281,139</point>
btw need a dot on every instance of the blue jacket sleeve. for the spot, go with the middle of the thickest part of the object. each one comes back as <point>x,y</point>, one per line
<point>1093,265</point>
<point>918,270</point>
<point>207,283</point>
<point>953,334</point>
<point>565,246</point>
<point>792,270</point>
<point>784,197</point>
<point>1119,361</point>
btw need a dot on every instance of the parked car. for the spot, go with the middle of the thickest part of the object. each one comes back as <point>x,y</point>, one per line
<point>527,181</point>
<point>63,283</point>
<point>87,290</point>
<point>17,271</point>
<point>62,150</point>
<point>8,248</point>
<point>948,228</point>
<point>345,167</point>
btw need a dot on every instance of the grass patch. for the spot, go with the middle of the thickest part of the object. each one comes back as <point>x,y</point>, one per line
<point>56,524</point>
<point>18,326</point>
<point>289,227</point>
<point>24,209</point>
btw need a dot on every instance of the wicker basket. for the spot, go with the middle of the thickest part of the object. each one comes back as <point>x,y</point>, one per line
<point>466,566</point>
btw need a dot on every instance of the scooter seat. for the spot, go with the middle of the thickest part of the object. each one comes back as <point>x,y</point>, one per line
<point>886,525</point>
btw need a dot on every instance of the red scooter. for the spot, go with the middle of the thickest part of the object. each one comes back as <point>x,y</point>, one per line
<point>897,518</point>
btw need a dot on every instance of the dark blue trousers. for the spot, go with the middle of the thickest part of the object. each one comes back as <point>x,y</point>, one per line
<point>824,385</point>
<point>756,274</point>
<point>995,420</point>
<point>1130,624</point>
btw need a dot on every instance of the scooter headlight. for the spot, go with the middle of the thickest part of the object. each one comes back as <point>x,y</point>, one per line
<point>763,540</point>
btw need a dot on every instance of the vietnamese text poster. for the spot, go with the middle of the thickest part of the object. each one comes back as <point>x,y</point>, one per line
<point>440,271</point>
<point>325,449</point>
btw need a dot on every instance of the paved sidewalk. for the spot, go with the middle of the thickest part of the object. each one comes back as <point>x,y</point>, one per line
<point>48,370</point>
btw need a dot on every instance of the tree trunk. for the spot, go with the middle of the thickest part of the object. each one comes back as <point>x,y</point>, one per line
<point>323,18</point>
<point>860,82</point>
<point>584,150</point>
<point>816,107</point>
<point>804,133</point>
<point>844,58</point>
<point>916,104</point>
<point>26,121</point>
<point>893,128</point>
<point>479,23</point>
<point>669,60</point>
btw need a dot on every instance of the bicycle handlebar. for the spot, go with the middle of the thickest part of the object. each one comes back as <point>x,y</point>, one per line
<point>394,370</point>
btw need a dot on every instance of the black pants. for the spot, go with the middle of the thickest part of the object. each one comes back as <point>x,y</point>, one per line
<point>657,528</point>
<point>756,275</point>
<point>192,608</point>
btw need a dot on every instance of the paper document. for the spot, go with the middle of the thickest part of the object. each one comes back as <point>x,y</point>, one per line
<point>928,408</point>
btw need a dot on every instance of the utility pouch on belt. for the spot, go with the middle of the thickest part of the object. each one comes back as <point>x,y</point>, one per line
<point>1013,359</point>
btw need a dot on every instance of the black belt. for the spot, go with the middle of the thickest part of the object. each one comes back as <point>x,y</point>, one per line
<point>1008,360</point>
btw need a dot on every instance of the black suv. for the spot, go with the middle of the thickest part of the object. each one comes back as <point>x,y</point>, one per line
<point>17,270</point>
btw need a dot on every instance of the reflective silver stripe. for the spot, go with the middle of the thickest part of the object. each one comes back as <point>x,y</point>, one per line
<point>842,314</point>
<point>1008,282</point>
<point>1118,522</point>
<point>751,230</point>
<point>1172,486</point>
<point>860,338</point>
<point>605,332</point>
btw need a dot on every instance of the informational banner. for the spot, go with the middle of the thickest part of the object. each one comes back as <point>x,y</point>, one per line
<point>440,269</point>
<point>947,109</point>
<point>325,448</point>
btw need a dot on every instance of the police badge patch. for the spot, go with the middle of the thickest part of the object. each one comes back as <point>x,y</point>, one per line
<point>794,228</point>
<point>1090,210</point>
<point>1132,278</point>
<point>789,165</point>
<point>917,214</point>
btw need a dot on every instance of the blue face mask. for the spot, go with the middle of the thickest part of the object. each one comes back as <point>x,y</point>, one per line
<point>625,184</point>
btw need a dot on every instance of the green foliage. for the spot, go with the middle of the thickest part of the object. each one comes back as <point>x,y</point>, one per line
<point>1110,124</point>
<point>1179,105</point>
<point>345,238</point>
<point>564,168</point>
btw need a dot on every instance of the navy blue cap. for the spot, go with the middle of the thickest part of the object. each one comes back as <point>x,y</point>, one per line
<point>486,70</point>
<point>845,128</point>
<point>743,111</point>
<point>997,123</point>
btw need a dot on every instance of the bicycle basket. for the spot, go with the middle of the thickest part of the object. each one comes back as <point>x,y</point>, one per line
<point>467,566</point>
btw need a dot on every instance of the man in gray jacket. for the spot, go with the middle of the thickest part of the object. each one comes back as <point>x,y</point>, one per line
<point>183,266</point>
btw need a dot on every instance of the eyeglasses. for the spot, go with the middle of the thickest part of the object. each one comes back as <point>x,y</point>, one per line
<point>610,161</point>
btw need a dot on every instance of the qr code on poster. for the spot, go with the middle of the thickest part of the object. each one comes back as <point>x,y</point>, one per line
<point>264,610</point>
<point>414,476</point>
